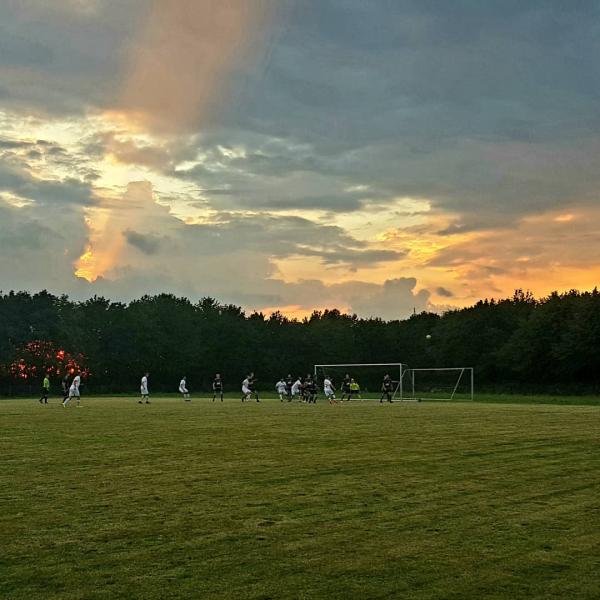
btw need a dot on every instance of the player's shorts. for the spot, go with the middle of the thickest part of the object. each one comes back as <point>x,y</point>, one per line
<point>245,390</point>
<point>329,392</point>
<point>183,391</point>
<point>73,393</point>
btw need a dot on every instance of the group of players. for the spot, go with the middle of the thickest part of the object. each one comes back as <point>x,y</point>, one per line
<point>70,389</point>
<point>302,389</point>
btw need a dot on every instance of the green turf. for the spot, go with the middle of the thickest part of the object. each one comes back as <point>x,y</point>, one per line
<point>270,500</point>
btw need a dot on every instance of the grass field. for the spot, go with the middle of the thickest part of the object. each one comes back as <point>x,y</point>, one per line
<point>270,500</point>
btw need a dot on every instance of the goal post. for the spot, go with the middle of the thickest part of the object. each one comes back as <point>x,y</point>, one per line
<point>441,383</point>
<point>369,377</point>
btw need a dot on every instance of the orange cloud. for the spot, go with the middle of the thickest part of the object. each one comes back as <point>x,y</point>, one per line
<point>180,63</point>
<point>104,247</point>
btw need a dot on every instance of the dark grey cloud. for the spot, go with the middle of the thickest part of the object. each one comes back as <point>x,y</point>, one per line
<point>74,58</point>
<point>38,246</point>
<point>69,191</point>
<point>8,144</point>
<point>442,291</point>
<point>20,51</point>
<point>148,244</point>
<point>417,95</point>
<point>284,236</point>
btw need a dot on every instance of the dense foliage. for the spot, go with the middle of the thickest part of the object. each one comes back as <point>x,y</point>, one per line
<point>520,344</point>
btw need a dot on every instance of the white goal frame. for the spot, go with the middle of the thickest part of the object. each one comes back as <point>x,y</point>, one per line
<point>402,369</point>
<point>462,372</point>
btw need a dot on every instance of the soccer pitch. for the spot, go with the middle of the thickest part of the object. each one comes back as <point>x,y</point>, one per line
<point>271,500</point>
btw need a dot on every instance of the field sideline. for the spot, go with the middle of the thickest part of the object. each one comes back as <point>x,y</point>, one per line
<point>202,500</point>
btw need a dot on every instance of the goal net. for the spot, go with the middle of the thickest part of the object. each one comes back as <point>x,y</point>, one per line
<point>439,383</point>
<point>368,377</point>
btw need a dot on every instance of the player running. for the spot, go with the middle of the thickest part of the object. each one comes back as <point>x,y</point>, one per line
<point>296,390</point>
<point>304,389</point>
<point>74,391</point>
<point>248,388</point>
<point>217,387</point>
<point>45,390</point>
<point>65,385</point>
<point>183,389</point>
<point>387,389</point>
<point>329,391</point>
<point>144,389</point>
<point>281,388</point>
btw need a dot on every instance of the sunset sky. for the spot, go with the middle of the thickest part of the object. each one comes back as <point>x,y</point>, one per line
<point>378,156</point>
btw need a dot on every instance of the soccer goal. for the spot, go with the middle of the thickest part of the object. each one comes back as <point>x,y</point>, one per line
<point>449,383</point>
<point>368,376</point>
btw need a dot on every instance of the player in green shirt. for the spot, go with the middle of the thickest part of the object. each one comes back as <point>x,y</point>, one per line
<point>45,390</point>
<point>354,389</point>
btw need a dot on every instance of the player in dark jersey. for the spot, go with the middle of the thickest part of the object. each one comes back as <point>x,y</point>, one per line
<point>387,388</point>
<point>289,382</point>
<point>312,390</point>
<point>65,385</point>
<point>346,393</point>
<point>306,386</point>
<point>217,386</point>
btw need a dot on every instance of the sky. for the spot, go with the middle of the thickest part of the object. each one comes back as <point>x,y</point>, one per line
<point>378,157</point>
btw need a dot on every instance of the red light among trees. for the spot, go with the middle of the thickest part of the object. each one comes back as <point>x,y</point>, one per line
<point>38,357</point>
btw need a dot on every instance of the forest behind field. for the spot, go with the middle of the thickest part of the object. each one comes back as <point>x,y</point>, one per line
<point>519,344</point>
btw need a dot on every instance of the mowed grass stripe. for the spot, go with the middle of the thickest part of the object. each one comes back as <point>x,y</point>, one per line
<point>255,501</point>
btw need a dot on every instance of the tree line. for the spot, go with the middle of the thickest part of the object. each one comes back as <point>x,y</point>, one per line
<point>517,344</point>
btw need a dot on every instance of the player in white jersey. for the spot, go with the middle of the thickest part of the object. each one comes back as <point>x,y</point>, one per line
<point>297,388</point>
<point>183,389</point>
<point>144,389</point>
<point>249,388</point>
<point>281,388</point>
<point>73,391</point>
<point>329,390</point>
